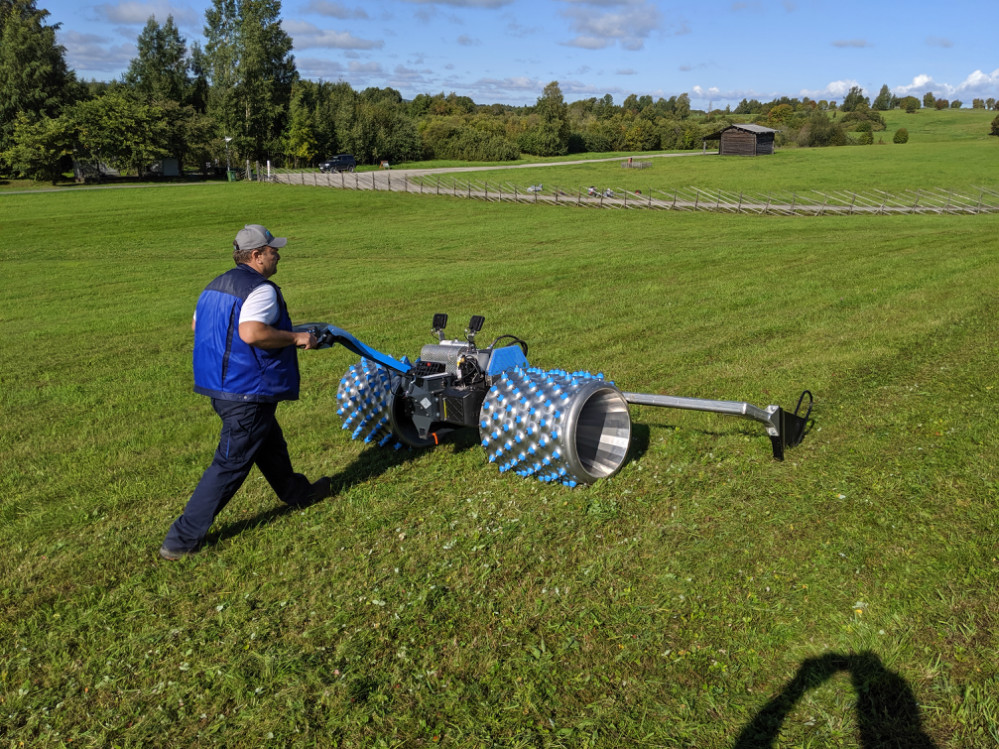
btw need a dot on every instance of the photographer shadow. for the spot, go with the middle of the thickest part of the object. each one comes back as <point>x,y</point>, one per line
<point>887,711</point>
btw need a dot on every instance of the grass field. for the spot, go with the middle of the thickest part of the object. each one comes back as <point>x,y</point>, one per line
<point>706,596</point>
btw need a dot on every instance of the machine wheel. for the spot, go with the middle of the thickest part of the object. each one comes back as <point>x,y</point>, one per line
<point>555,426</point>
<point>365,396</point>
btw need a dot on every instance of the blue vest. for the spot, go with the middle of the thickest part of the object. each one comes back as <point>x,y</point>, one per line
<point>224,366</point>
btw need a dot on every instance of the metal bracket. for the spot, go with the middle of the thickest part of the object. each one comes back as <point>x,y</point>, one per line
<point>784,429</point>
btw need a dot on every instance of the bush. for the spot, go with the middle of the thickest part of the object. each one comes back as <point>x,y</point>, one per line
<point>577,143</point>
<point>597,143</point>
<point>901,136</point>
<point>472,145</point>
<point>820,131</point>
<point>995,126</point>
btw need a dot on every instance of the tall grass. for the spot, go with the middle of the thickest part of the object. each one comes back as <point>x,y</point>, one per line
<point>433,601</point>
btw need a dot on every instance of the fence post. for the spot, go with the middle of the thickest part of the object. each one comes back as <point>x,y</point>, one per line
<point>739,209</point>
<point>673,208</point>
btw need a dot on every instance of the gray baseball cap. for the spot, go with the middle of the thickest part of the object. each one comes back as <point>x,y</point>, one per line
<point>255,236</point>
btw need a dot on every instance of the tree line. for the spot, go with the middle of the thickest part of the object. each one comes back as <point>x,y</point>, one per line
<point>240,98</point>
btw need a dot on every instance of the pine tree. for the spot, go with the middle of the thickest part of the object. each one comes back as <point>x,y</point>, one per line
<point>884,100</point>
<point>551,137</point>
<point>34,78</point>
<point>160,72</point>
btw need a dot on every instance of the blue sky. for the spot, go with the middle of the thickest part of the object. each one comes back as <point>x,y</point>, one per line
<point>506,51</point>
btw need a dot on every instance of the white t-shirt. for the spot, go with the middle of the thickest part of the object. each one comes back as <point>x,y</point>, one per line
<point>260,306</point>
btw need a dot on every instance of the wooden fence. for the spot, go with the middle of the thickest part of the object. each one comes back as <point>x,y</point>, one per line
<point>811,203</point>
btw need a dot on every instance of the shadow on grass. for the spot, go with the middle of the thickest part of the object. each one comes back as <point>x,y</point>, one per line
<point>639,445</point>
<point>370,463</point>
<point>887,712</point>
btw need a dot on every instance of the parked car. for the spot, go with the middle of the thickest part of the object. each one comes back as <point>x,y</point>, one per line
<point>342,162</point>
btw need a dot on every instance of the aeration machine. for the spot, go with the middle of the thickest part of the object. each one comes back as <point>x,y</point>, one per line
<point>568,427</point>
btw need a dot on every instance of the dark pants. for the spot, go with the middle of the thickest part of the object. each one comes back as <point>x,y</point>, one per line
<point>250,436</point>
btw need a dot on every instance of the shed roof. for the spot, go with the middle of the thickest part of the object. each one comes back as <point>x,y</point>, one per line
<point>747,127</point>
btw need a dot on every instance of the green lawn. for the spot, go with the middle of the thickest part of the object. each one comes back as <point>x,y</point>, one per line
<point>705,596</point>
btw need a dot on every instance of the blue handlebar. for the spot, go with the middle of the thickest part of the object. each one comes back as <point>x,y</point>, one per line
<point>333,334</point>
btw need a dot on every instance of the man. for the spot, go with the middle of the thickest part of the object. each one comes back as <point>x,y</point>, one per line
<point>246,361</point>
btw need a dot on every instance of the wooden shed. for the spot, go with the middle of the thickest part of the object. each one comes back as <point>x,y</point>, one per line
<point>744,140</point>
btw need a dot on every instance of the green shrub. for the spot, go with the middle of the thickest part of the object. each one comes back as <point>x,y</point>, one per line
<point>597,143</point>
<point>901,136</point>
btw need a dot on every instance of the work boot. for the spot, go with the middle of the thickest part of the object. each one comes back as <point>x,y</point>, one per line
<point>172,555</point>
<point>317,492</point>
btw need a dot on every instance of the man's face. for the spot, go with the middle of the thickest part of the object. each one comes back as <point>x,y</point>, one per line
<point>268,260</point>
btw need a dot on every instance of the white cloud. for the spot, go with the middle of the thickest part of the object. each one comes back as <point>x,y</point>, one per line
<point>589,42</point>
<point>309,36</point>
<point>939,41</point>
<point>367,68</point>
<point>920,84</point>
<point>977,84</point>
<point>852,43</point>
<point>334,10</point>
<point>138,13</point>
<point>94,56</point>
<point>833,90</point>
<point>602,23</point>
<point>315,68</point>
<point>979,80</point>
<point>464,3</point>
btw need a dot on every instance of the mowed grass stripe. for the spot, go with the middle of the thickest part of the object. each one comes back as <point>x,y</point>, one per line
<point>435,601</point>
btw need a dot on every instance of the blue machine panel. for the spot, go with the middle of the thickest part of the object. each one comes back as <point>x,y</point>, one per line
<point>506,358</point>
